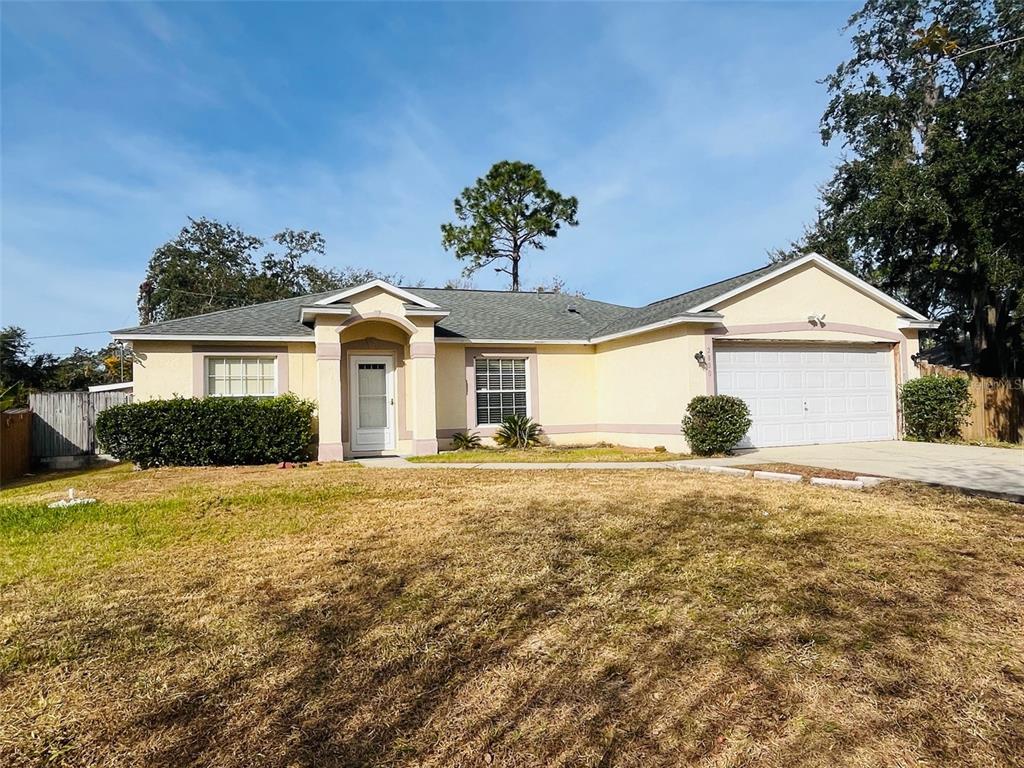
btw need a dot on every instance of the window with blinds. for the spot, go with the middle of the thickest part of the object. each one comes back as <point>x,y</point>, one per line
<point>500,388</point>
<point>240,377</point>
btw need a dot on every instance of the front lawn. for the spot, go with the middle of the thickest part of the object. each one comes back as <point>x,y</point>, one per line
<point>552,453</point>
<point>340,615</point>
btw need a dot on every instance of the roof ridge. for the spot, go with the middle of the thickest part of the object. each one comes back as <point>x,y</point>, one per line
<point>509,292</point>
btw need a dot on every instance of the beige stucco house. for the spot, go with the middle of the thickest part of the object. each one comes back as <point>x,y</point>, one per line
<point>816,352</point>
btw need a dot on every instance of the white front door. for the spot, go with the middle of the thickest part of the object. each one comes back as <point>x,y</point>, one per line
<point>815,393</point>
<point>372,407</point>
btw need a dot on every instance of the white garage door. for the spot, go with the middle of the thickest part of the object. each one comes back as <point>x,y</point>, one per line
<point>810,394</point>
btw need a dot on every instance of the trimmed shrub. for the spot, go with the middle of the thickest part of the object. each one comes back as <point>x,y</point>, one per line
<point>715,423</point>
<point>935,407</point>
<point>465,441</point>
<point>209,431</point>
<point>517,432</point>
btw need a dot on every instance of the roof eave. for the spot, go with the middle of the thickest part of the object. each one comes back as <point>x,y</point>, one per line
<point>906,322</point>
<point>118,336</point>
<point>308,312</point>
<point>703,318</point>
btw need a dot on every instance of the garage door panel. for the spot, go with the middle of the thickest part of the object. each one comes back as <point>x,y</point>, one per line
<point>815,406</point>
<point>878,404</point>
<point>837,406</point>
<point>836,380</point>
<point>816,433</point>
<point>792,434</point>
<point>814,380</point>
<point>745,380</point>
<point>803,394</point>
<point>792,406</point>
<point>860,430</point>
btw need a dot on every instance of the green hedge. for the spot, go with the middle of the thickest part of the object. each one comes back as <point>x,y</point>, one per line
<point>715,423</point>
<point>935,407</point>
<point>210,431</point>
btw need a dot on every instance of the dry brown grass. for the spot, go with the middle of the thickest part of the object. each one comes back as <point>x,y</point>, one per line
<point>344,616</point>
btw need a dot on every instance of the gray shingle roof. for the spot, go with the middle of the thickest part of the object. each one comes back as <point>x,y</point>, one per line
<point>473,314</point>
<point>524,315</point>
<point>675,306</point>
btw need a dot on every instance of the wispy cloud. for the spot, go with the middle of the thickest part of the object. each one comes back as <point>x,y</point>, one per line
<point>690,161</point>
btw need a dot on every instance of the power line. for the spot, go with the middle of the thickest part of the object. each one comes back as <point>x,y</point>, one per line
<point>986,47</point>
<point>169,290</point>
<point>66,335</point>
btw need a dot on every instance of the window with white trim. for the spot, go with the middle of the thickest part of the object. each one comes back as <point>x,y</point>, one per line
<point>241,376</point>
<point>500,388</point>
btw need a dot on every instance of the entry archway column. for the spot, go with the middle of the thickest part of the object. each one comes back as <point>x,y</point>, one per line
<point>328,391</point>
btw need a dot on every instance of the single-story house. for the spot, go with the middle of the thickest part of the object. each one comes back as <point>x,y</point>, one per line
<point>815,351</point>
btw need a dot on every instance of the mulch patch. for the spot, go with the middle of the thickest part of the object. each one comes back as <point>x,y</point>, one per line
<point>800,469</point>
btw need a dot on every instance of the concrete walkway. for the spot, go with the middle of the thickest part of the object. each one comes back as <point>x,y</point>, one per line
<point>395,462</point>
<point>990,471</point>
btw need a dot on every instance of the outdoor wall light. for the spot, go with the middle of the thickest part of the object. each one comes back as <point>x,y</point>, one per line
<point>701,360</point>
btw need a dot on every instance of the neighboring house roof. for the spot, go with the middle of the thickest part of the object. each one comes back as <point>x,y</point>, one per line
<point>117,387</point>
<point>491,315</point>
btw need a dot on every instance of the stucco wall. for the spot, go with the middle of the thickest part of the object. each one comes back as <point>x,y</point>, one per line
<point>568,387</point>
<point>162,369</point>
<point>643,385</point>
<point>165,369</point>
<point>806,291</point>
<point>377,299</point>
<point>451,389</point>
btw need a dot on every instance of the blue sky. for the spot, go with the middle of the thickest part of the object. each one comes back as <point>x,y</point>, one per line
<point>689,132</point>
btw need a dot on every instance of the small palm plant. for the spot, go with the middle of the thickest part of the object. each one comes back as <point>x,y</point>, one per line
<point>465,441</point>
<point>517,432</point>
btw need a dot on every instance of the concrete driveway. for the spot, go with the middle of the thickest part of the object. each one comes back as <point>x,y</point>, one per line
<point>992,471</point>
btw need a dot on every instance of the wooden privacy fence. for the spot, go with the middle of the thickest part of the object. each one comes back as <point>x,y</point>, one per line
<point>65,422</point>
<point>15,444</point>
<point>998,412</point>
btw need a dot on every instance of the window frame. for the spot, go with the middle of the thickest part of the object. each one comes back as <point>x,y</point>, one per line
<point>211,356</point>
<point>526,391</point>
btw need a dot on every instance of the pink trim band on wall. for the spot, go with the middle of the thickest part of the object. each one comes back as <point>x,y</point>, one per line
<point>860,330</point>
<point>328,350</point>
<point>385,317</point>
<point>421,349</point>
<point>424,447</point>
<point>330,452</point>
<point>575,429</point>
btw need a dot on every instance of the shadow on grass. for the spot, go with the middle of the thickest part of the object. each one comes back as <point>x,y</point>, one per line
<point>39,476</point>
<point>673,639</point>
